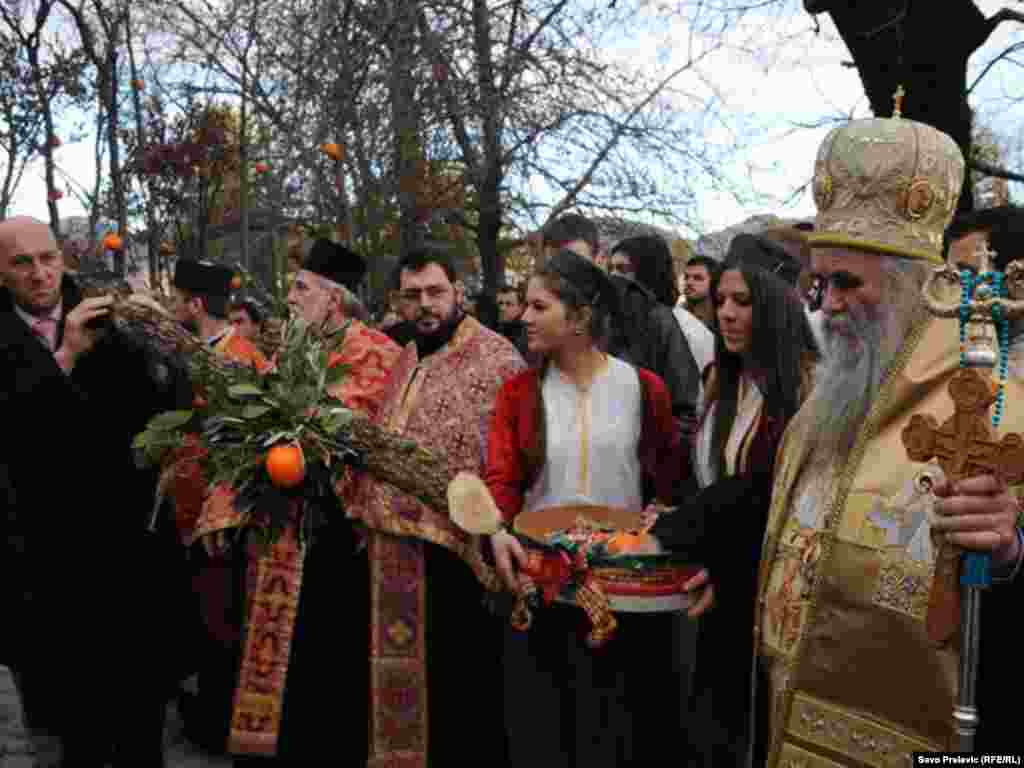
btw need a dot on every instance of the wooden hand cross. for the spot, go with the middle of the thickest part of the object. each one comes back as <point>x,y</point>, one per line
<point>964,446</point>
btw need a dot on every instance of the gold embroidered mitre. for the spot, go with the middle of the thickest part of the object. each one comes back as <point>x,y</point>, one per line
<point>886,185</point>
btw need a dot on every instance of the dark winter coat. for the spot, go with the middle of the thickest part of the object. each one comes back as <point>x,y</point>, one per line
<point>74,551</point>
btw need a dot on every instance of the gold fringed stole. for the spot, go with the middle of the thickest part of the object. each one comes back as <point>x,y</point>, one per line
<point>398,654</point>
<point>274,583</point>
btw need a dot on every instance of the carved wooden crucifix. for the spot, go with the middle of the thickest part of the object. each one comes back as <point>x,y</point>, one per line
<point>964,446</point>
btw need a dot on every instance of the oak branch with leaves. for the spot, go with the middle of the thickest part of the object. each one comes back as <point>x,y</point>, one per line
<point>243,413</point>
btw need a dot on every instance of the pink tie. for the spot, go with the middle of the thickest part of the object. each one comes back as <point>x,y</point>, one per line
<point>46,329</point>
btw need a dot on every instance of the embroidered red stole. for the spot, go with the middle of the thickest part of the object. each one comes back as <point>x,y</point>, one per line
<point>444,403</point>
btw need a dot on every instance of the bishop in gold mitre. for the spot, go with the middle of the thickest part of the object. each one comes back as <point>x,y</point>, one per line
<point>848,673</point>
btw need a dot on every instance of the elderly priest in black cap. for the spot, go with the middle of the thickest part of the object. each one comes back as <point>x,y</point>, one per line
<point>327,658</point>
<point>323,295</point>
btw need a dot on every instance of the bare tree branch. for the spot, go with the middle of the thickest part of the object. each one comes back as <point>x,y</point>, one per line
<point>986,169</point>
<point>613,140</point>
<point>1002,56</point>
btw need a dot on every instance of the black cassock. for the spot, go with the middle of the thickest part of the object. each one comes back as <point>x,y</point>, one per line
<point>326,703</point>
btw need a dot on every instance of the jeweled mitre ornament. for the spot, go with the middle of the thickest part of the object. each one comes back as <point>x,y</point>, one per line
<point>887,185</point>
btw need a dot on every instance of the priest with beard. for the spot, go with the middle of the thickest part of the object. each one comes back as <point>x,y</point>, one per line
<point>327,653</point>
<point>856,622</point>
<point>434,647</point>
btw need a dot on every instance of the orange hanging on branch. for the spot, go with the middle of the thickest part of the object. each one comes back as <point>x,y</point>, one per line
<point>286,465</point>
<point>236,282</point>
<point>113,242</point>
<point>139,84</point>
<point>55,141</point>
<point>262,167</point>
<point>333,151</point>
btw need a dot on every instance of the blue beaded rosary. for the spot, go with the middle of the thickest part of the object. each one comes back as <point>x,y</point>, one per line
<point>987,284</point>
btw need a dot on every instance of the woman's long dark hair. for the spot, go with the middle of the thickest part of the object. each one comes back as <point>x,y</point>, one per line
<point>781,341</point>
<point>578,284</point>
<point>652,266</point>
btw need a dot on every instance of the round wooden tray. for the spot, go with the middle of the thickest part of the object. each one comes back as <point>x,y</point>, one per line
<point>538,524</point>
<point>633,583</point>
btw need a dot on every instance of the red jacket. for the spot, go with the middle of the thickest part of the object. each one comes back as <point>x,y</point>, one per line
<point>663,452</point>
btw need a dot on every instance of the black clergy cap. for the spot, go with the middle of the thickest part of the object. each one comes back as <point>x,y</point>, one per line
<point>336,263</point>
<point>203,277</point>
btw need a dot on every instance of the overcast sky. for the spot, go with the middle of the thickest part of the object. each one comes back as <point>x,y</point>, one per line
<point>771,88</point>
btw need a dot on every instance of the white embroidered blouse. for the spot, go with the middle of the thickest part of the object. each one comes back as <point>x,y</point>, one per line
<point>592,440</point>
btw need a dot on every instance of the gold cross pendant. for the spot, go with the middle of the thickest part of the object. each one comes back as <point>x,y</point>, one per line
<point>897,102</point>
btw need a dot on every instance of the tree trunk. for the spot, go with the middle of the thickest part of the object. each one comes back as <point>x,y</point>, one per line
<point>492,260</point>
<point>243,169</point>
<point>152,236</point>
<point>114,147</point>
<point>48,164</point>
<point>408,151</point>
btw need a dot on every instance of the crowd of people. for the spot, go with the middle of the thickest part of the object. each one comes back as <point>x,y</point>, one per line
<point>759,399</point>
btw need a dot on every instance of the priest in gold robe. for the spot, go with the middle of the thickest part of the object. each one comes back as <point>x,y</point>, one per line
<point>856,654</point>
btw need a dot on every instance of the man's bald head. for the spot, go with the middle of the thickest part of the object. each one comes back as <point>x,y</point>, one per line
<point>31,264</point>
<point>25,234</point>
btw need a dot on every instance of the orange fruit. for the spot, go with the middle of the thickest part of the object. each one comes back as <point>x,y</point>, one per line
<point>286,465</point>
<point>333,151</point>
<point>624,542</point>
<point>236,282</point>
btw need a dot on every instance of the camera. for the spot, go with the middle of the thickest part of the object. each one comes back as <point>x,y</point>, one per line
<point>101,323</point>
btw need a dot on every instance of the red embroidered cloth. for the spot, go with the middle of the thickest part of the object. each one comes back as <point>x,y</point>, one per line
<point>444,402</point>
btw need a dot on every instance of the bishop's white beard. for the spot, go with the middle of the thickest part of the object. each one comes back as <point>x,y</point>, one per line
<point>860,346</point>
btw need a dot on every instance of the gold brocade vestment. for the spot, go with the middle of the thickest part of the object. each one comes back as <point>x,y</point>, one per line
<point>855,680</point>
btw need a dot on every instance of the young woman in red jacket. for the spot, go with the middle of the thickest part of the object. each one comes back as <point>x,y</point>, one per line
<point>583,428</point>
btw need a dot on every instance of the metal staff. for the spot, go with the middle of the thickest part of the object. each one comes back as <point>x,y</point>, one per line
<point>981,308</point>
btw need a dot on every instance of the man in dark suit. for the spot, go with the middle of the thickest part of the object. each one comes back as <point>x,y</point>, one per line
<point>88,595</point>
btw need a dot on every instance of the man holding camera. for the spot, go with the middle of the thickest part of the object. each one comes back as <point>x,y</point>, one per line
<point>75,556</point>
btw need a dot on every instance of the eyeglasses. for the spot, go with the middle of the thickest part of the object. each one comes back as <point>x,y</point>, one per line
<point>839,281</point>
<point>434,293</point>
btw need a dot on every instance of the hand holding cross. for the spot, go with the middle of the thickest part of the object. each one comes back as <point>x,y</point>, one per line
<point>975,508</point>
